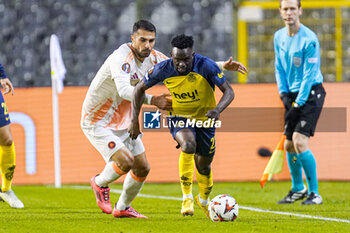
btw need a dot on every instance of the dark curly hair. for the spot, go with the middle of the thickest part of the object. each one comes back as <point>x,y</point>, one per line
<point>182,41</point>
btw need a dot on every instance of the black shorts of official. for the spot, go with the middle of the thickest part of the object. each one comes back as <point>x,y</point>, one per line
<point>205,137</point>
<point>4,115</point>
<point>309,113</point>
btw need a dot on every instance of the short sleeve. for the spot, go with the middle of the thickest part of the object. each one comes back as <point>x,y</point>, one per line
<point>213,73</point>
<point>2,72</point>
<point>154,75</point>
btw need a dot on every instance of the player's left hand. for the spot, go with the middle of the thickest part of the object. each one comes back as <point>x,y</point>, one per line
<point>214,114</point>
<point>134,130</point>
<point>7,85</point>
<point>232,65</point>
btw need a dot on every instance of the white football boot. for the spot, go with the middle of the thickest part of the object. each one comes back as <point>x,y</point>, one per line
<point>313,199</point>
<point>11,198</point>
<point>293,196</point>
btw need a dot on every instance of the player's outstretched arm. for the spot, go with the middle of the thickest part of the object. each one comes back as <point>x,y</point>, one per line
<point>232,65</point>
<point>226,99</point>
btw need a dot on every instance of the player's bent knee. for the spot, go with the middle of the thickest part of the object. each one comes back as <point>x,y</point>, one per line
<point>142,171</point>
<point>204,170</point>
<point>300,145</point>
<point>6,142</point>
<point>127,162</point>
<point>289,146</point>
<point>189,147</point>
<point>124,159</point>
<point>145,170</point>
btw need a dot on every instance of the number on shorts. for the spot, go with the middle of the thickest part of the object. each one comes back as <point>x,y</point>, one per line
<point>3,105</point>
<point>212,147</point>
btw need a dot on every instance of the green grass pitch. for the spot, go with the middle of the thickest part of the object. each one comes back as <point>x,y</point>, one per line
<point>70,209</point>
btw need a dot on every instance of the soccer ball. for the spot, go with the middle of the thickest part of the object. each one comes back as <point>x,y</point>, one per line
<point>223,208</point>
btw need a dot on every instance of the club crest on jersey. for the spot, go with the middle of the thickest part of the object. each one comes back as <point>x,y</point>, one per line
<point>111,145</point>
<point>126,67</point>
<point>297,61</point>
<point>191,77</point>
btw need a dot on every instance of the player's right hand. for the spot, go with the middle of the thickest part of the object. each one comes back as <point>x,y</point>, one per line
<point>287,101</point>
<point>163,101</point>
<point>134,130</point>
<point>7,85</point>
<point>213,114</point>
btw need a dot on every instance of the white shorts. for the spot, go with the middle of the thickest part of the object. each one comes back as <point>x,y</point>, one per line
<point>108,141</point>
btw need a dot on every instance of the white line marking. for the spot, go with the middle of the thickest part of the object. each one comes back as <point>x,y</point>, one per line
<point>240,206</point>
<point>294,214</point>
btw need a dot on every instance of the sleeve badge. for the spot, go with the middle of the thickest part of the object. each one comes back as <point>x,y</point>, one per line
<point>126,68</point>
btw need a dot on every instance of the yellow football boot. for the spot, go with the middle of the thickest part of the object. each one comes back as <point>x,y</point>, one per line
<point>203,207</point>
<point>187,207</point>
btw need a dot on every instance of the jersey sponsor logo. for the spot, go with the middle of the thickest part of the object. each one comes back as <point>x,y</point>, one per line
<point>312,60</point>
<point>126,67</point>
<point>151,119</point>
<point>111,145</point>
<point>297,61</point>
<point>186,95</point>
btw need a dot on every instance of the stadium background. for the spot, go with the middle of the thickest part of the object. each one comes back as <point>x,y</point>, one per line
<point>90,30</point>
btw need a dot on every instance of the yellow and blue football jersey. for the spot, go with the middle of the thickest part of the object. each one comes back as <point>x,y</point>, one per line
<point>192,94</point>
<point>4,115</point>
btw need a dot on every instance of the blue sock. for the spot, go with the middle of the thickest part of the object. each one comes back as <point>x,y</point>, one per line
<point>296,171</point>
<point>309,164</point>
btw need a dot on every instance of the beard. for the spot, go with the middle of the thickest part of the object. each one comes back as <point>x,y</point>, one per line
<point>144,53</point>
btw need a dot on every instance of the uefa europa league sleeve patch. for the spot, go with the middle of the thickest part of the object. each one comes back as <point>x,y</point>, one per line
<point>126,67</point>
